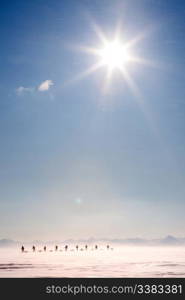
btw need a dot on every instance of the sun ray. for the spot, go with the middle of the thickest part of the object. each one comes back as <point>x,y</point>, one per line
<point>118,30</point>
<point>131,84</point>
<point>84,74</point>
<point>86,49</point>
<point>140,99</point>
<point>107,80</point>
<point>146,62</point>
<point>139,37</point>
<point>99,33</point>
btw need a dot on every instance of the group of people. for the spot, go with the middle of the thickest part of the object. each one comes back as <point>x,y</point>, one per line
<point>65,247</point>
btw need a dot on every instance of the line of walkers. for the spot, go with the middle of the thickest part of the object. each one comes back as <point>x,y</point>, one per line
<point>65,247</point>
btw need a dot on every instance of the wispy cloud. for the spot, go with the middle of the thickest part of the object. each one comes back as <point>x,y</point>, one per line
<point>45,85</point>
<point>22,90</point>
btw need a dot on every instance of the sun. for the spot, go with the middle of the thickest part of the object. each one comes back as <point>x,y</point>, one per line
<point>114,55</point>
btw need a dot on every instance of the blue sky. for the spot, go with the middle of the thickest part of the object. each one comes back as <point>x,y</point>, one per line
<point>76,161</point>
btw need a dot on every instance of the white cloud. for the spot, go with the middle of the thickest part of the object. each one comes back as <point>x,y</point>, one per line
<point>21,90</point>
<point>45,85</point>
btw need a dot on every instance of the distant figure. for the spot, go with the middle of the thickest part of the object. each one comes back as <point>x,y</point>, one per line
<point>86,247</point>
<point>77,247</point>
<point>22,248</point>
<point>108,247</point>
<point>45,248</point>
<point>66,247</point>
<point>56,248</point>
<point>96,247</point>
<point>33,248</point>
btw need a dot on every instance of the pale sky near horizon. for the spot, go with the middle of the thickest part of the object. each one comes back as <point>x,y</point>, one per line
<point>77,161</point>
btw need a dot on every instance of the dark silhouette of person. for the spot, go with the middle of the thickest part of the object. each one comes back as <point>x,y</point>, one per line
<point>22,248</point>
<point>44,248</point>
<point>86,247</point>
<point>33,248</point>
<point>108,247</point>
<point>96,247</point>
<point>66,247</point>
<point>77,247</point>
<point>56,248</point>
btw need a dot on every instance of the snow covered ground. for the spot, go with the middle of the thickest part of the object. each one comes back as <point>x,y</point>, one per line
<point>119,262</point>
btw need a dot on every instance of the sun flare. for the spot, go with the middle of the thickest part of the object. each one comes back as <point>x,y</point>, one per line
<point>114,55</point>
